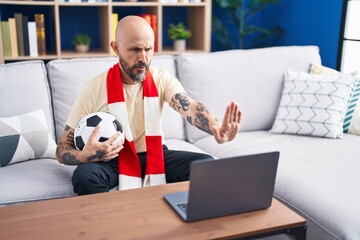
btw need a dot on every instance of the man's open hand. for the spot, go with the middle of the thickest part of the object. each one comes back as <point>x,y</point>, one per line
<point>227,130</point>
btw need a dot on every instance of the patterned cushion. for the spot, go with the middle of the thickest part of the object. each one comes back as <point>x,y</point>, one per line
<point>313,105</point>
<point>25,137</point>
<point>353,101</point>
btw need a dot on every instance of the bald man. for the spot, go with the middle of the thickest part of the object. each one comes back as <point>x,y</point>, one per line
<point>98,169</point>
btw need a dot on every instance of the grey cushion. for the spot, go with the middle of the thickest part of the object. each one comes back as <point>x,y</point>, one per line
<point>35,180</point>
<point>24,88</point>
<point>253,78</point>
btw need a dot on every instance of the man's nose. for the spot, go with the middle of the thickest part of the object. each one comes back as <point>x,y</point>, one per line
<point>142,55</point>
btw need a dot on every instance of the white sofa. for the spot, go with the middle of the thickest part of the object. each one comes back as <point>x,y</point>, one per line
<point>317,177</point>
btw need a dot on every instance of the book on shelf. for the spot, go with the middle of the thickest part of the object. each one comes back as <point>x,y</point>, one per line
<point>33,47</point>
<point>152,20</point>
<point>19,33</point>
<point>5,34</point>
<point>40,33</point>
<point>25,21</point>
<point>13,37</point>
<point>114,22</point>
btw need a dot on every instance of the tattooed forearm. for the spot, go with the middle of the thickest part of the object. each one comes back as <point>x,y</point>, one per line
<point>99,154</point>
<point>189,119</point>
<point>69,159</point>
<point>64,155</point>
<point>202,122</point>
<point>180,102</point>
<point>201,108</point>
<point>70,136</point>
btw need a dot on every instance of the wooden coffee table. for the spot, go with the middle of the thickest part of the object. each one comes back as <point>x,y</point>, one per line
<point>137,214</point>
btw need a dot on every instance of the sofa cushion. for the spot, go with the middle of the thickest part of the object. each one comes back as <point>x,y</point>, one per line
<point>253,78</point>
<point>35,180</point>
<point>313,105</point>
<point>25,137</point>
<point>24,88</point>
<point>67,77</point>
<point>352,117</point>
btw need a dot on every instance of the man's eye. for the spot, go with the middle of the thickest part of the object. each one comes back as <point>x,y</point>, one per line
<point>148,49</point>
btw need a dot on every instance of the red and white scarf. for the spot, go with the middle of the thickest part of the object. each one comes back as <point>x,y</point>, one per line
<point>129,163</point>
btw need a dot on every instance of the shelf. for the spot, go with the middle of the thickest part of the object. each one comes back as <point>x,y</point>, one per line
<point>91,53</point>
<point>135,4</point>
<point>63,20</point>
<point>30,3</point>
<point>83,4</point>
<point>25,58</point>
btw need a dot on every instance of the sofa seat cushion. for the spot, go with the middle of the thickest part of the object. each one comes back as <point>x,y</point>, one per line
<point>35,180</point>
<point>181,145</point>
<point>319,177</point>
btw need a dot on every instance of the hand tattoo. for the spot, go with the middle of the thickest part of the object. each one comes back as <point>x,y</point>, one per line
<point>99,154</point>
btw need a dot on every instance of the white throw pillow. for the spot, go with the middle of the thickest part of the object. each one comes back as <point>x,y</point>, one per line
<point>352,117</point>
<point>313,105</point>
<point>25,137</point>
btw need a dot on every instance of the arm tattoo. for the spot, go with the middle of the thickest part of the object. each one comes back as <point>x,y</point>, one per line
<point>180,101</point>
<point>189,119</point>
<point>63,153</point>
<point>201,108</point>
<point>67,127</point>
<point>99,154</point>
<point>202,122</point>
<point>70,136</point>
<point>69,159</point>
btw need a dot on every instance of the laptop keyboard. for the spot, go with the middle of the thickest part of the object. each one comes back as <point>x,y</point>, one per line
<point>183,206</point>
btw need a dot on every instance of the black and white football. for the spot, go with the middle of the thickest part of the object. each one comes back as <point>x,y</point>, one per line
<point>109,125</point>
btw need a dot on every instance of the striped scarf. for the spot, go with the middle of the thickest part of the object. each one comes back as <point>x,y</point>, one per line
<point>129,163</point>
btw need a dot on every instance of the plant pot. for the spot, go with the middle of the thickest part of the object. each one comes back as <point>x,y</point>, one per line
<point>180,45</point>
<point>82,48</point>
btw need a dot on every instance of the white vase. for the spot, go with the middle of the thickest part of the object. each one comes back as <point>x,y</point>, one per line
<point>82,48</point>
<point>180,45</point>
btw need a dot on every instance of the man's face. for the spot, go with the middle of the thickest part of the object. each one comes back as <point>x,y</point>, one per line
<point>135,57</point>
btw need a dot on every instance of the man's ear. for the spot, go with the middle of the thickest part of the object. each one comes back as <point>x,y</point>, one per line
<point>115,47</point>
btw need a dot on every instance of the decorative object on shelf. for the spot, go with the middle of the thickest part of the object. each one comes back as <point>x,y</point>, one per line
<point>179,34</point>
<point>82,42</point>
<point>239,13</point>
<point>40,34</point>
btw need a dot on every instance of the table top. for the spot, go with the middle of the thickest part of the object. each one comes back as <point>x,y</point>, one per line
<point>132,214</point>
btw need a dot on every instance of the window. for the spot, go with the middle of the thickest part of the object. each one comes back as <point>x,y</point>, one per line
<point>349,47</point>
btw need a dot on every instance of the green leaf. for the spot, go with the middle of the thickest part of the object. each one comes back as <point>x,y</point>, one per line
<point>232,4</point>
<point>178,31</point>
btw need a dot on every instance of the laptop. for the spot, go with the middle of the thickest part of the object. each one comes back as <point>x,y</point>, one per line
<point>227,186</point>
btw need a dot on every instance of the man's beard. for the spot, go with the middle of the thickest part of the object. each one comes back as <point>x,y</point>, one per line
<point>132,72</point>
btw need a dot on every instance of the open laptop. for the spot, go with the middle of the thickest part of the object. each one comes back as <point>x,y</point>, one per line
<point>227,186</point>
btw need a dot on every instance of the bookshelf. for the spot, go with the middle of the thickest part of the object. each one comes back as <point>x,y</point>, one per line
<point>64,19</point>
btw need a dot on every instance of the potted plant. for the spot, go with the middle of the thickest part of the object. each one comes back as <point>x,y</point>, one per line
<point>82,42</point>
<point>179,34</point>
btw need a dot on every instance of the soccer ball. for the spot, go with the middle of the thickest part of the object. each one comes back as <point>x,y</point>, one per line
<point>109,125</point>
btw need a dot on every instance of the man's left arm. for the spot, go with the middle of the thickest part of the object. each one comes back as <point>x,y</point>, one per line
<point>199,116</point>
